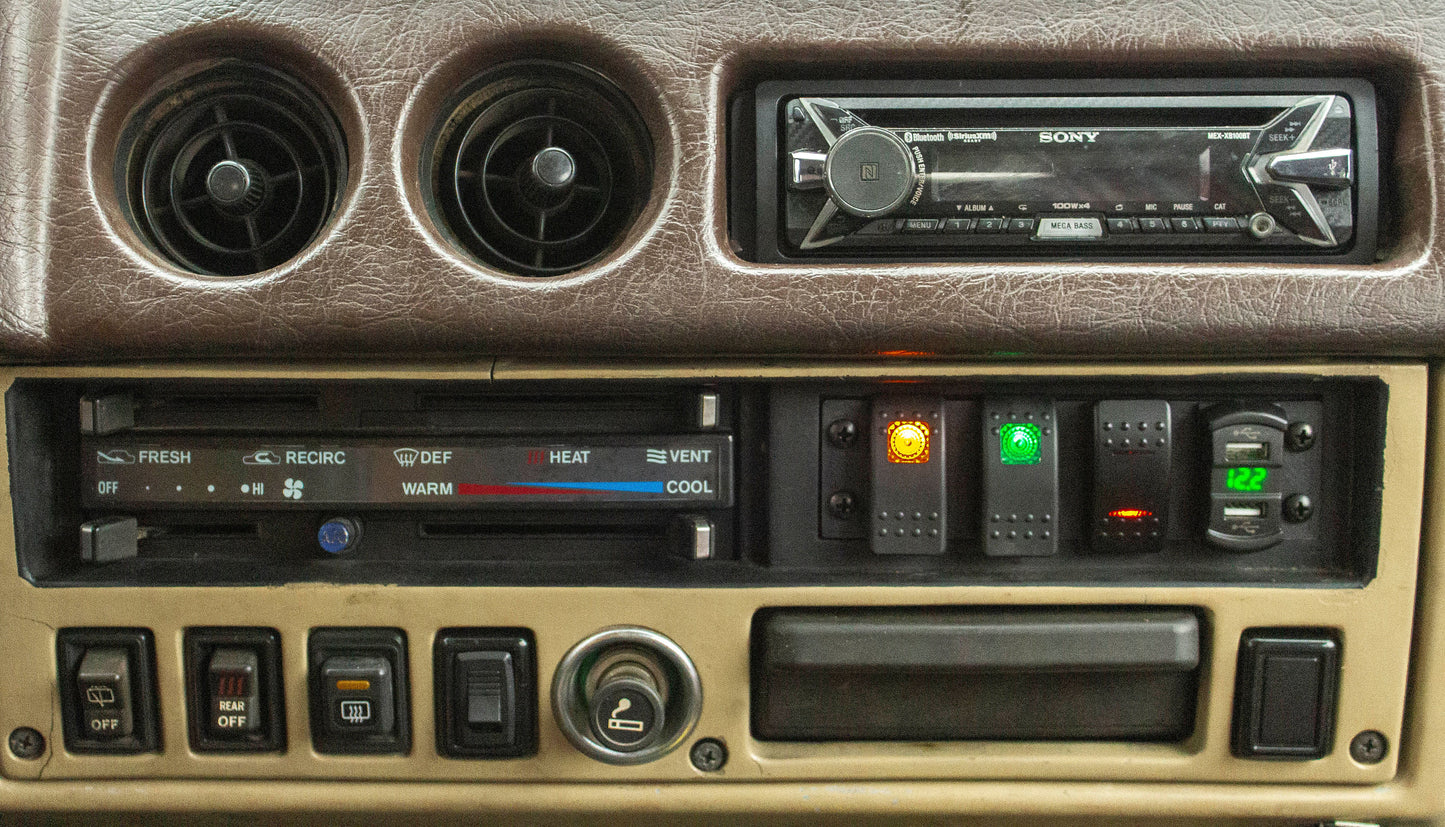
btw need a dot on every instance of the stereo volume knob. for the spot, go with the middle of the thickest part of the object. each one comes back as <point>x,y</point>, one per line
<point>869,172</point>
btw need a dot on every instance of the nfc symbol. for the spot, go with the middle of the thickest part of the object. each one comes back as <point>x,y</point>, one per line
<point>868,172</point>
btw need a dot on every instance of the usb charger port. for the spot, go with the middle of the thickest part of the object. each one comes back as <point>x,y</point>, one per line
<point>1242,510</point>
<point>1246,451</point>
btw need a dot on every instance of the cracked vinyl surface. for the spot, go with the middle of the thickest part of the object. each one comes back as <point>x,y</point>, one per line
<point>75,282</point>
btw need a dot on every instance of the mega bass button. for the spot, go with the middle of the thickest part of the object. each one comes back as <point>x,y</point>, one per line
<point>627,715</point>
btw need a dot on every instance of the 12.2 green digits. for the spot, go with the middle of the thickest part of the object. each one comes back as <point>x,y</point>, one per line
<point>1245,479</point>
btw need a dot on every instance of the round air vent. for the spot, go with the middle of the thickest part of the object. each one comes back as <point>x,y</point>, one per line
<point>233,171</point>
<point>539,168</point>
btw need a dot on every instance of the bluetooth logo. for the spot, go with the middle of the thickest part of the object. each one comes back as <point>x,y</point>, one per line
<point>293,489</point>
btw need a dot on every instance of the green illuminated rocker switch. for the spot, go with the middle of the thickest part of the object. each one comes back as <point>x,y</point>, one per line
<point>1020,478</point>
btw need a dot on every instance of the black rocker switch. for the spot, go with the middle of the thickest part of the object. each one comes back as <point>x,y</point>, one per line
<point>1020,478</point>
<point>233,693</point>
<point>103,686</point>
<point>108,690</point>
<point>486,693</point>
<point>1132,443</point>
<point>359,695</point>
<point>488,683</point>
<point>908,503</point>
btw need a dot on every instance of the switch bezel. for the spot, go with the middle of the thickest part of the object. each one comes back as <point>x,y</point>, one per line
<point>521,644</point>
<point>201,642</point>
<point>139,644</point>
<point>388,643</point>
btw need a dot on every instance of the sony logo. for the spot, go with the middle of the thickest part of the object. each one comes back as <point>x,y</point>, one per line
<point>1067,137</point>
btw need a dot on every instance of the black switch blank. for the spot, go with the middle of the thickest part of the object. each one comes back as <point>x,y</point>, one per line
<point>1285,694</point>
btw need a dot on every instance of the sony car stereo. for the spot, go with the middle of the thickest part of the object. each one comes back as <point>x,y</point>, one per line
<point>883,170</point>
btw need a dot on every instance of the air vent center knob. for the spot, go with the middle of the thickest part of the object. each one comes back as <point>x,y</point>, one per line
<point>235,186</point>
<point>554,168</point>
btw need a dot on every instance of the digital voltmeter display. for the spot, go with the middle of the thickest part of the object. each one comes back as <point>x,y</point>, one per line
<point>1247,479</point>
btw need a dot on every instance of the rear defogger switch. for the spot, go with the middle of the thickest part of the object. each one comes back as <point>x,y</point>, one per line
<point>1020,478</point>
<point>909,510</point>
<point>1132,444</point>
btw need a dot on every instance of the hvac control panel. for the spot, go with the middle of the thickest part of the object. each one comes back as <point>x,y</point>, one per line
<point>1217,479</point>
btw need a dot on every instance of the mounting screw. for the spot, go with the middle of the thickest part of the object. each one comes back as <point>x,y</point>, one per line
<point>27,743</point>
<point>1369,747</point>
<point>843,433</point>
<point>1300,436</point>
<point>842,504</point>
<point>1298,508</point>
<point>709,755</point>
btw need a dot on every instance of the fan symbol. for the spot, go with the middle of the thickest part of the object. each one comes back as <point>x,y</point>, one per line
<point>292,489</point>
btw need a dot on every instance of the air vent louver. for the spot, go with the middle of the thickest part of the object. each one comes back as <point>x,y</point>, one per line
<point>233,171</point>
<point>540,168</point>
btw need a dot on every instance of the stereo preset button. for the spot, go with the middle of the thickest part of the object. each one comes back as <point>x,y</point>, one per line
<point>1021,225</point>
<point>1186,225</point>
<point>1069,228</point>
<point>1153,225</point>
<point>958,225</point>
<point>990,225</point>
<point>1221,224</point>
<point>1122,225</point>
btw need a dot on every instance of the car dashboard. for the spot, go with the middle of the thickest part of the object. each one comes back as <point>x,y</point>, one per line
<point>917,413</point>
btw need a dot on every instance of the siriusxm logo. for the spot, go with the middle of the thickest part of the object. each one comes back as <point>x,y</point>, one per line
<point>1067,137</point>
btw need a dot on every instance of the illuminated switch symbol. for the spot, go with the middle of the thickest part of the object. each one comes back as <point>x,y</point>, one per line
<point>908,442</point>
<point>1020,443</point>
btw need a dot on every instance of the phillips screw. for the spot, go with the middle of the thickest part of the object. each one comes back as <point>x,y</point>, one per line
<point>27,743</point>
<point>843,433</point>
<point>709,755</point>
<point>842,504</point>
<point>1369,747</point>
<point>1300,436</point>
<point>1298,508</point>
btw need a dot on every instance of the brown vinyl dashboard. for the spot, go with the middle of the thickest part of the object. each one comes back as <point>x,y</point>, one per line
<point>490,426</point>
